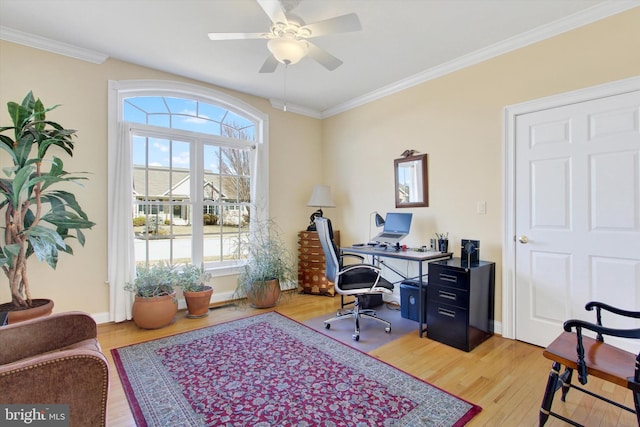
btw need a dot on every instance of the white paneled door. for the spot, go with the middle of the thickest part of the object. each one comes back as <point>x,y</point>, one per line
<point>577,214</point>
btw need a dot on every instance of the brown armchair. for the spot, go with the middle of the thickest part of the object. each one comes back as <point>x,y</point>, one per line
<point>55,360</point>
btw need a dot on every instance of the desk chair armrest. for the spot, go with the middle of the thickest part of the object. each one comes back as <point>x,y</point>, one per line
<point>363,266</point>
<point>579,325</point>
<point>351,267</point>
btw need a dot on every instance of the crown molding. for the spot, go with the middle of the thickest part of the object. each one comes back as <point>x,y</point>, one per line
<point>43,43</point>
<point>543,32</point>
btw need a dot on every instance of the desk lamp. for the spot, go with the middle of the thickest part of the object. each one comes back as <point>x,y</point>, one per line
<point>320,198</point>
<point>378,220</point>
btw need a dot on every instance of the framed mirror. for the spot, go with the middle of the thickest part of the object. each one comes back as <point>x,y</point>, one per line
<point>412,189</point>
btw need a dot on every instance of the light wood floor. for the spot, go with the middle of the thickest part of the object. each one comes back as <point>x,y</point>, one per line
<point>505,377</point>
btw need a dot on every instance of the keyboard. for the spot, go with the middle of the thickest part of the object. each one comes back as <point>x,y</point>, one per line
<point>387,235</point>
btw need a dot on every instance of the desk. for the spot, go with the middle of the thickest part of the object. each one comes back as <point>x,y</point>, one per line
<point>408,255</point>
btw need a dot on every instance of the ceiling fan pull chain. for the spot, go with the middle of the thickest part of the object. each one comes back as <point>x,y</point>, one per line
<point>284,102</point>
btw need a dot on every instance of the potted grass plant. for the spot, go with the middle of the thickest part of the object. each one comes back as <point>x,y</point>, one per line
<point>155,305</point>
<point>267,264</point>
<point>40,214</point>
<point>197,294</point>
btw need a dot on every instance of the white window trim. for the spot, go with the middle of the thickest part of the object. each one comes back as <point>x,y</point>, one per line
<point>119,90</point>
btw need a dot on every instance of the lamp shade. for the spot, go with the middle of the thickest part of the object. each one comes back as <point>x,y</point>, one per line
<point>379,220</point>
<point>321,197</point>
<point>288,50</point>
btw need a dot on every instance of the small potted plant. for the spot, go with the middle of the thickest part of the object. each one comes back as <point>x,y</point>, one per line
<point>155,305</point>
<point>268,263</point>
<point>40,213</point>
<point>192,278</point>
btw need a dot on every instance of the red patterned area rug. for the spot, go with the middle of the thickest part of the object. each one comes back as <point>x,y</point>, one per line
<point>269,370</point>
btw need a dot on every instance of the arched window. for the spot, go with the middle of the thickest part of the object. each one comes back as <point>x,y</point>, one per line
<point>198,166</point>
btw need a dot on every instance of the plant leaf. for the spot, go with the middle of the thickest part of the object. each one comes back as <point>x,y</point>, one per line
<point>21,186</point>
<point>7,145</point>
<point>45,243</point>
<point>64,219</point>
<point>11,253</point>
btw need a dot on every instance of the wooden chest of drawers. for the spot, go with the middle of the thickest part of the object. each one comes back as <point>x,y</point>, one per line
<point>311,267</point>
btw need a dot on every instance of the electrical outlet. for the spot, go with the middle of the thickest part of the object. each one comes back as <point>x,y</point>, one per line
<point>481,208</point>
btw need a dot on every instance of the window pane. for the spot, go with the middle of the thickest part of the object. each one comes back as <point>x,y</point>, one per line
<point>182,106</point>
<point>211,112</point>
<point>195,124</point>
<point>212,159</point>
<point>161,120</point>
<point>158,152</point>
<point>238,127</point>
<point>149,104</point>
<point>134,114</point>
<point>180,155</point>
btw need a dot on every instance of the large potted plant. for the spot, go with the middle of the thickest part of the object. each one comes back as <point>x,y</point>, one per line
<point>40,213</point>
<point>192,279</point>
<point>155,304</point>
<point>268,262</point>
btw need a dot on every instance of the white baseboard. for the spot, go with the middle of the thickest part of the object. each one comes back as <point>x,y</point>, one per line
<point>101,317</point>
<point>216,297</point>
<point>228,297</point>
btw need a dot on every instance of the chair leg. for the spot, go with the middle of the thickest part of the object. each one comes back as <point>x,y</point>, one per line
<point>636,401</point>
<point>566,383</point>
<point>376,318</point>
<point>339,315</point>
<point>356,315</point>
<point>547,399</point>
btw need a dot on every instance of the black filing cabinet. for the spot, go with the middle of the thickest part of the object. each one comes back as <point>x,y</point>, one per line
<point>460,302</point>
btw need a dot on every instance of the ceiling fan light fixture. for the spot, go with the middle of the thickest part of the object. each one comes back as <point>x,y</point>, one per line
<point>288,50</point>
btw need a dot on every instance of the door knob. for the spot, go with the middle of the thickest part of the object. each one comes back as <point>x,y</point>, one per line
<point>523,239</point>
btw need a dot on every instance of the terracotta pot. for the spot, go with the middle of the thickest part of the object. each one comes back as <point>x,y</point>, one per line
<point>264,294</point>
<point>39,308</point>
<point>155,312</point>
<point>198,302</point>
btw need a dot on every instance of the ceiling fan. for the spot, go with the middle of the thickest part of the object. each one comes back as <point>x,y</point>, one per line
<point>288,37</point>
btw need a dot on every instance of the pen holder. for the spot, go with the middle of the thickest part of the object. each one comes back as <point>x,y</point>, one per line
<point>443,245</point>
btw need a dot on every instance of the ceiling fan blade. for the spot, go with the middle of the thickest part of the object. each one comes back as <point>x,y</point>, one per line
<point>339,24</point>
<point>269,65</point>
<point>235,36</point>
<point>323,57</point>
<point>274,10</point>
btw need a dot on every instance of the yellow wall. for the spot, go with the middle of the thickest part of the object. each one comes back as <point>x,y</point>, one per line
<point>79,281</point>
<point>458,120</point>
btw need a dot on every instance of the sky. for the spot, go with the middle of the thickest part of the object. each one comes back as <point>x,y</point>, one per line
<point>184,114</point>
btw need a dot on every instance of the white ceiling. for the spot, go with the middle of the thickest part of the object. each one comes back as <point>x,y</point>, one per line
<point>403,42</point>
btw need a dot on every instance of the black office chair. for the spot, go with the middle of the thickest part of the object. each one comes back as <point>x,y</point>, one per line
<point>357,280</point>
